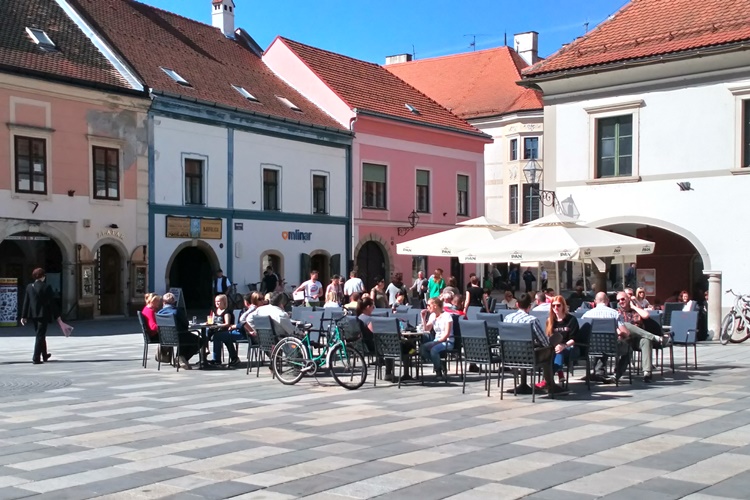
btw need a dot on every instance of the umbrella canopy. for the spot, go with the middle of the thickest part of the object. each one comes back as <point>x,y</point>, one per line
<point>554,238</point>
<point>479,231</point>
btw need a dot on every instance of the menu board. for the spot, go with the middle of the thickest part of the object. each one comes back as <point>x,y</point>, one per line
<point>647,279</point>
<point>193,227</point>
<point>8,301</point>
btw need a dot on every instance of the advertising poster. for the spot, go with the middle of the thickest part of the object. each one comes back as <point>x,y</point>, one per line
<point>8,301</point>
<point>647,279</point>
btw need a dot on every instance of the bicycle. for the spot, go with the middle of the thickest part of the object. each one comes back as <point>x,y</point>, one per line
<point>736,321</point>
<point>292,358</point>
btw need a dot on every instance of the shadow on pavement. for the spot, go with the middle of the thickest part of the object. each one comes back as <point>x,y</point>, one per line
<point>86,328</point>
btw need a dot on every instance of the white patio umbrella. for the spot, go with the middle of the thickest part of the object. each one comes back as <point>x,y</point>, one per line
<point>554,238</point>
<point>448,243</point>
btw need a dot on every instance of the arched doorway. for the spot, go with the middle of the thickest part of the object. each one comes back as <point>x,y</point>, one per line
<point>371,263</point>
<point>21,253</point>
<point>191,270</point>
<point>109,284</point>
<point>321,262</point>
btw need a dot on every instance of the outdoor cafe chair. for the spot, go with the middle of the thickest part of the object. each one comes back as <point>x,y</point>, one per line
<point>169,336</point>
<point>387,339</point>
<point>148,340</point>
<point>490,318</point>
<point>265,335</point>
<point>477,349</point>
<point>381,312</point>
<point>456,352</point>
<point>652,324</point>
<point>471,312</point>
<point>315,318</point>
<point>685,333</point>
<point>540,315</point>
<point>669,308</point>
<point>517,352</point>
<point>584,333</point>
<point>298,311</point>
<point>603,341</point>
<point>402,309</point>
<point>499,307</point>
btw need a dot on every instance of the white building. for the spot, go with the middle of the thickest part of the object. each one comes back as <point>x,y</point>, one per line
<point>647,132</point>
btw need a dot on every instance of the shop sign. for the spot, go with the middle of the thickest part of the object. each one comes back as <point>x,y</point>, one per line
<point>296,235</point>
<point>193,227</point>
<point>110,233</point>
<point>8,301</point>
<point>27,237</point>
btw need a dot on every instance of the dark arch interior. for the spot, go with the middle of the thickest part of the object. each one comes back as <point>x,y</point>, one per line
<point>191,271</point>
<point>371,264</point>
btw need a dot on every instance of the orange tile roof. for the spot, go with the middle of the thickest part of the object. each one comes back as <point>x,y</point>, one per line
<point>370,87</point>
<point>149,38</point>
<point>648,28</point>
<point>474,84</point>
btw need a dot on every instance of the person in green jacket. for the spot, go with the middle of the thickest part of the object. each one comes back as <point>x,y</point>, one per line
<point>435,284</point>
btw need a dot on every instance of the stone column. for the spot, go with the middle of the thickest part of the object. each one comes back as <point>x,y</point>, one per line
<point>714,303</point>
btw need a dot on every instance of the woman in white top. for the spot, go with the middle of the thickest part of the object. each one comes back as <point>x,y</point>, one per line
<point>640,299</point>
<point>510,301</point>
<point>442,324</point>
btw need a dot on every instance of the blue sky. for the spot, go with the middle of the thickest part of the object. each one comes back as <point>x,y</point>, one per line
<point>373,29</point>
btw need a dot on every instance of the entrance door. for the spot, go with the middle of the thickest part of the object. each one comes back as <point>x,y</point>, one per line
<point>371,264</point>
<point>109,273</point>
<point>320,263</point>
<point>192,272</point>
<point>457,271</point>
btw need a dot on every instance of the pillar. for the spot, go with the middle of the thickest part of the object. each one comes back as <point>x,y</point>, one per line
<point>714,303</point>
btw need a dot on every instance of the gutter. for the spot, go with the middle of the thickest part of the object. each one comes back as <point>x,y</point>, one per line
<point>375,114</point>
<point>48,77</point>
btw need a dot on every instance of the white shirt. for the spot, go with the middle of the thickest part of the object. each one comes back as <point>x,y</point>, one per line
<point>544,275</point>
<point>276,314</point>
<point>353,285</point>
<point>440,325</point>
<point>392,292</point>
<point>312,289</point>
<point>245,315</point>
<point>543,307</point>
<point>512,303</point>
<point>522,316</point>
<point>604,311</point>
<point>220,284</point>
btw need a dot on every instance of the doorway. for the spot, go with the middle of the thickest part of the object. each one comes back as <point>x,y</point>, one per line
<point>109,274</point>
<point>457,271</point>
<point>371,264</point>
<point>191,271</point>
<point>320,263</point>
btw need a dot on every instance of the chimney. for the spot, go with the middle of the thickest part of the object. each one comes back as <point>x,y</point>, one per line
<point>222,16</point>
<point>527,46</point>
<point>398,58</point>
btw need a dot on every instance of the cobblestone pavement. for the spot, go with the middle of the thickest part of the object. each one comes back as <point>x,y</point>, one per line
<point>94,424</point>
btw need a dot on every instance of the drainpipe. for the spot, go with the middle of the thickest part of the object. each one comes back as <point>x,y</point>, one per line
<point>349,201</point>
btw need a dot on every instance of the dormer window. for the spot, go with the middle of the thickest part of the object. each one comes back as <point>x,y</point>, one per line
<point>175,76</point>
<point>244,93</point>
<point>411,108</point>
<point>289,104</point>
<point>41,38</point>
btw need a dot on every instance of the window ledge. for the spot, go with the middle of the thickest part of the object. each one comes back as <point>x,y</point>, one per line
<point>30,196</point>
<point>614,180</point>
<point>375,208</point>
<point>740,171</point>
<point>110,203</point>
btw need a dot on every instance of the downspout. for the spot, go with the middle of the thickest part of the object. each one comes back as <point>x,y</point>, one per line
<point>349,201</point>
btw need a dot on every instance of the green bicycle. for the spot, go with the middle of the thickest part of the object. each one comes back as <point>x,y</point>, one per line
<point>292,358</point>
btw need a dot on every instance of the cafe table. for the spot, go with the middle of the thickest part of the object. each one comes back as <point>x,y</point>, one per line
<point>203,329</point>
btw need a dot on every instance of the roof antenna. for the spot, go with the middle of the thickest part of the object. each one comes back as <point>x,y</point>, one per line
<point>413,52</point>
<point>473,43</point>
<point>505,38</point>
<point>586,27</point>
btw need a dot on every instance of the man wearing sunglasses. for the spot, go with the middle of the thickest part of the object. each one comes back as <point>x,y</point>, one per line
<point>634,316</point>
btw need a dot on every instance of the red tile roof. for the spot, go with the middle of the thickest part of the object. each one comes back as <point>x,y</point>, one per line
<point>648,28</point>
<point>369,87</point>
<point>76,57</point>
<point>474,84</point>
<point>150,38</point>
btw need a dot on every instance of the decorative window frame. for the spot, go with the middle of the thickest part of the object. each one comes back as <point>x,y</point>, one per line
<point>327,175</point>
<point>119,145</point>
<point>204,159</point>
<point>37,133</point>
<point>469,194</point>
<point>279,189</point>
<point>388,169</point>
<point>608,111</point>
<point>431,183</point>
<point>741,95</point>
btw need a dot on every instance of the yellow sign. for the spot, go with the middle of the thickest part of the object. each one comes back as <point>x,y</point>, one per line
<point>193,227</point>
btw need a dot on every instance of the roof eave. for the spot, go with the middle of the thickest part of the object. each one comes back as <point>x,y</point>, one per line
<point>477,134</point>
<point>530,81</point>
<point>57,78</point>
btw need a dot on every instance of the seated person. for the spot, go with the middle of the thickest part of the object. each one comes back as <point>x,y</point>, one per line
<point>354,302</point>
<point>447,298</point>
<point>153,304</point>
<point>283,325</point>
<point>441,322</point>
<point>364,319</point>
<point>564,324</point>
<point>190,339</point>
<point>236,332</point>
<point>602,310</point>
<point>540,302</point>
<point>509,301</point>
<point>222,316</point>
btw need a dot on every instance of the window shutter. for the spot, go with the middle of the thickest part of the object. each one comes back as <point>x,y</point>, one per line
<point>373,173</point>
<point>335,264</point>
<point>423,178</point>
<point>305,266</point>
<point>463,183</point>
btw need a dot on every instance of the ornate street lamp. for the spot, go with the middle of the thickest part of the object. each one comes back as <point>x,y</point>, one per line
<point>413,221</point>
<point>533,174</point>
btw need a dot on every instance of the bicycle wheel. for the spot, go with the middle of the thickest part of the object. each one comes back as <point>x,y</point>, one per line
<point>288,360</point>
<point>740,330</point>
<point>348,367</point>
<point>727,328</point>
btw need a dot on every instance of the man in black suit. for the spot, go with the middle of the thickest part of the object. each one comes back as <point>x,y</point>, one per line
<point>39,306</point>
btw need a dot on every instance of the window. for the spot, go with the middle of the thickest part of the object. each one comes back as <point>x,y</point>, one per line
<point>463,195</point>
<point>244,93</point>
<point>513,149</point>
<point>746,133</point>
<point>271,189</point>
<point>373,186</point>
<point>423,191</point>
<point>418,263</point>
<point>31,165</point>
<point>106,173</point>
<point>289,104</point>
<point>176,77</point>
<point>614,151</point>
<point>530,202</point>
<point>530,148</point>
<point>193,182</point>
<point>513,206</point>
<point>412,109</point>
<point>320,193</point>
<point>41,38</point>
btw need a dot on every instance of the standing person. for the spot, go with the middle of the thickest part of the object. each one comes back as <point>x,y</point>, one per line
<point>378,294</point>
<point>395,287</point>
<point>452,286</point>
<point>474,293</point>
<point>270,281</point>
<point>513,279</point>
<point>353,284</point>
<point>221,284</point>
<point>334,297</point>
<point>313,290</point>
<point>543,278</point>
<point>630,276</point>
<point>496,277</point>
<point>39,306</point>
<point>528,279</point>
<point>419,287</point>
<point>435,284</point>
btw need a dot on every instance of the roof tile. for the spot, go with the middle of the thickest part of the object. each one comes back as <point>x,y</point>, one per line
<point>647,28</point>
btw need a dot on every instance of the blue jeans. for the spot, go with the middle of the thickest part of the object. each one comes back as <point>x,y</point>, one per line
<point>430,351</point>
<point>563,357</point>
<point>228,338</point>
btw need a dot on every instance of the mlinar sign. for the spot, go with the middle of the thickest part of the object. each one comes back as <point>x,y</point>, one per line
<point>296,235</point>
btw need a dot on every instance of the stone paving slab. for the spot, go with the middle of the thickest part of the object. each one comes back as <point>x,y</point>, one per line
<point>94,424</point>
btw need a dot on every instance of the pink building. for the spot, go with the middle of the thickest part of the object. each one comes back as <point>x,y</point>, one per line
<point>410,157</point>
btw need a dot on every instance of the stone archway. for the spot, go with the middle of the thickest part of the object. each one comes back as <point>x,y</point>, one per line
<point>370,247</point>
<point>110,261</point>
<point>192,267</point>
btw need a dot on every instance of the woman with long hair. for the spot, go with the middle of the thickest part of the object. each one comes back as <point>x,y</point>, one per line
<point>561,322</point>
<point>442,324</point>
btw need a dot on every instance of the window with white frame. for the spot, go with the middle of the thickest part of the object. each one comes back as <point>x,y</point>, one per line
<point>530,148</point>
<point>423,191</point>
<point>530,202</point>
<point>513,204</point>
<point>374,185</point>
<point>320,193</point>
<point>106,175</point>
<point>30,157</point>
<point>271,194</point>
<point>194,181</point>
<point>513,149</point>
<point>746,133</point>
<point>463,195</point>
<point>614,152</point>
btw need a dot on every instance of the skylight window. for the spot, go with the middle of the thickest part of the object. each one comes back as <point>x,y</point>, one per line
<point>411,108</point>
<point>289,104</point>
<point>244,93</point>
<point>175,76</point>
<point>40,38</point>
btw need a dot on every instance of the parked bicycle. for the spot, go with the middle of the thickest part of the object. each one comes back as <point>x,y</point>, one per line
<point>292,358</point>
<point>735,327</point>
